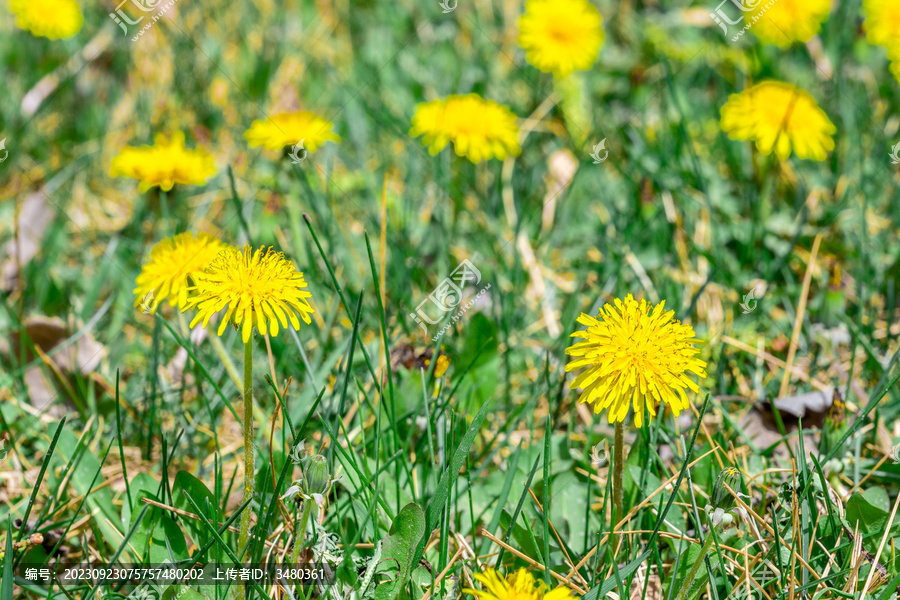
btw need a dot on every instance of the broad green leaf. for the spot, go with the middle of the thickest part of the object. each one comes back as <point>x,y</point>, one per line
<point>142,485</point>
<point>185,482</point>
<point>399,550</point>
<point>878,497</point>
<point>871,518</point>
<point>160,525</point>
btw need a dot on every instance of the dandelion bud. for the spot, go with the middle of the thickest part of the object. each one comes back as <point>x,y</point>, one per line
<point>721,497</point>
<point>316,478</point>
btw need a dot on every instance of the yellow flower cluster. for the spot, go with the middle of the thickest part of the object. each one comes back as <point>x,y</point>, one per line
<point>558,36</point>
<point>258,288</point>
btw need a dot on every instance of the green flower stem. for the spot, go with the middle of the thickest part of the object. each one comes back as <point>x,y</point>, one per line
<point>164,209</point>
<point>689,580</point>
<point>249,471</point>
<point>618,466</point>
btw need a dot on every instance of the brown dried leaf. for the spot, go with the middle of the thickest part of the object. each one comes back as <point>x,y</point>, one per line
<point>81,356</point>
<point>34,216</point>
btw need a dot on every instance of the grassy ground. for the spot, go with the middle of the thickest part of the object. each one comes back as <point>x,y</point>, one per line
<point>120,428</point>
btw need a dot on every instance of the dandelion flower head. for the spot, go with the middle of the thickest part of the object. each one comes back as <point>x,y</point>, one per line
<point>561,36</point>
<point>261,287</point>
<point>164,164</point>
<point>172,265</point>
<point>479,129</point>
<point>882,22</point>
<point>634,355</point>
<point>779,117</point>
<point>520,585</point>
<point>287,129</point>
<point>52,19</point>
<point>882,27</point>
<point>788,21</point>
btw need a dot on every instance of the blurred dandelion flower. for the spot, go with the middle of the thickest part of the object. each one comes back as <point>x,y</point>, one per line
<point>52,19</point>
<point>788,21</point>
<point>286,129</point>
<point>173,264</point>
<point>261,285</point>
<point>634,356</point>
<point>882,27</point>
<point>778,116</point>
<point>561,36</point>
<point>518,586</point>
<point>479,129</point>
<point>164,164</point>
<point>882,22</point>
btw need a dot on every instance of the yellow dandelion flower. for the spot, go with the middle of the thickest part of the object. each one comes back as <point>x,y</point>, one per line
<point>778,116</point>
<point>634,356</point>
<point>287,129</point>
<point>561,36</point>
<point>173,264</point>
<point>882,22</point>
<point>518,586</point>
<point>52,19</point>
<point>479,129</point>
<point>788,21</point>
<point>164,164</point>
<point>261,285</point>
